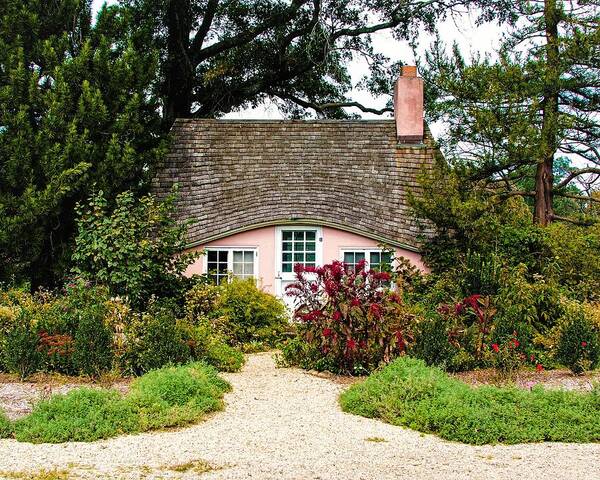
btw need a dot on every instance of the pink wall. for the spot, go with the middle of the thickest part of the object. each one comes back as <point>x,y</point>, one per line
<point>264,239</point>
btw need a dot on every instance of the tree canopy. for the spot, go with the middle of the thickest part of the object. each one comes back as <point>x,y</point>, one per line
<point>516,120</point>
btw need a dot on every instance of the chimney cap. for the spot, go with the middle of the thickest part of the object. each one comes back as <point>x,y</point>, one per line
<point>408,71</point>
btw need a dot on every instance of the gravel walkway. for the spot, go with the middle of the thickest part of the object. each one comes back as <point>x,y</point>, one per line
<point>286,424</point>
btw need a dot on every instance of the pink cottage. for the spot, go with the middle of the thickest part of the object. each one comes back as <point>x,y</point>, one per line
<point>265,195</point>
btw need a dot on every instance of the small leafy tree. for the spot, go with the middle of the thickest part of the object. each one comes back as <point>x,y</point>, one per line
<point>135,249</point>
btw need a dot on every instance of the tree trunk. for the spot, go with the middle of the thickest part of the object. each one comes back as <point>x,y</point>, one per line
<point>179,71</point>
<point>544,178</point>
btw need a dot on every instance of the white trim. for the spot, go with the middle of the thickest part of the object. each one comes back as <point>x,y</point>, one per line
<point>230,249</point>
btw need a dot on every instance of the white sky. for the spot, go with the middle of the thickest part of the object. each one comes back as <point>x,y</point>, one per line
<point>462,29</point>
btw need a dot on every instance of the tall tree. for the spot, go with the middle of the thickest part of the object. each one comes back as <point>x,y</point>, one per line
<point>76,114</point>
<point>510,119</point>
<point>219,56</point>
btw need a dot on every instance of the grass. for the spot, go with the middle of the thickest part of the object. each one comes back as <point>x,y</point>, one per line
<point>168,397</point>
<point>38,475</point>
<point>411,394</point>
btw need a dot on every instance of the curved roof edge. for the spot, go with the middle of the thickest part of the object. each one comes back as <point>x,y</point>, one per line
<point>304,222</point>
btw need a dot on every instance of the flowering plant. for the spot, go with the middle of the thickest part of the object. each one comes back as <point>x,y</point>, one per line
<point>348,316</point>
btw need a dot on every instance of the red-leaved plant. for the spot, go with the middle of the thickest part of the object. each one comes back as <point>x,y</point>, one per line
<point>349,317</point>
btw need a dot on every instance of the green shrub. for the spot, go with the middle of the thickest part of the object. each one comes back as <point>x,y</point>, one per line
<point>21,353</point>
<point>168,397</point>
<point>248,314</point>
<point>135,249</point>
<point>431,342</point>
<point>579,342</point>
<point>155,339</point>
<point>409,393</point>
<point>5,426</point>
<point>223,357</point>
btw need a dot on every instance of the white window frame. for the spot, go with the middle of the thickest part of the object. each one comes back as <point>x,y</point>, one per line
<point>230,251</point>
<point>286,276</point>
<point>367,251</point>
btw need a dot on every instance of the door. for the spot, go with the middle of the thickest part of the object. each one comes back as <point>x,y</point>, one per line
<point>294,245</point>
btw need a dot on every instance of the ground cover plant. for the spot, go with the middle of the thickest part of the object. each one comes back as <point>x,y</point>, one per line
<point>409,393</point>
<point>168,397</point>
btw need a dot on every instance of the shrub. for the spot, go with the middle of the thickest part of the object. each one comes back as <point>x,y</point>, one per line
<point>223,357</point>
<point>348,317</point>
<point>5,426</point>
<point>168,397</point>
<point>135,249</point>
<point>247,314</point>
<point>431,342</point>
<point>409,393</point>
<point>21,354</point>
<point>92,344</point>
<point>155,339</point>
<point>579,341</point>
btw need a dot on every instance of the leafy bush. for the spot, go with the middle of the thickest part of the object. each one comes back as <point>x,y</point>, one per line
<point>168,397</point>
<point>579,342</point>
<point>5,426</point>
<point>93,342</point>
<point>431,342</point>
<point>154,339</point>
<point>21,353</point>
<point>409,393</point>
<point>239,311</point>
<point>135,249</point>
<point>349,321</point>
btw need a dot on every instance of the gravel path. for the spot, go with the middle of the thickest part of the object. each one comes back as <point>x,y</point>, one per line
<point>286,424</point>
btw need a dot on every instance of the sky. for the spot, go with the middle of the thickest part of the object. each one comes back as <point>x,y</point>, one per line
<point>462,29</point>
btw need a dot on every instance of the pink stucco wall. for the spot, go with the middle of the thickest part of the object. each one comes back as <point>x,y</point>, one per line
<point>263,239</point>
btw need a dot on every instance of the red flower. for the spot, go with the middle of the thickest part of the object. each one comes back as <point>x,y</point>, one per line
<point>584,344</point>
<point>351,344</point>
<point>337,315</point>
<point>495,347</point>
<point>355,302</point>
<point>375,310</point>
<point>314,287</point>
<point>299,268</point>
<point>539,367</point>
<point>444,309</point>
<point>516,343</point>
<point>327,332</point>
<point>383,276</point>
<point>459,308</point>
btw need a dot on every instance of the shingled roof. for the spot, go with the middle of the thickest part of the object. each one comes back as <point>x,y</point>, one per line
<point>238,175</point>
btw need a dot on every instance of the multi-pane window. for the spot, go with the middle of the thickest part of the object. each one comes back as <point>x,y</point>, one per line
<point>376,259</point>
<point>298,246</point>
<point>221,262</point>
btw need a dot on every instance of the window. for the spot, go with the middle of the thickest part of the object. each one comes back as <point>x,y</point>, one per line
<point>298,246</point>
<point>220,262</point>
<point>376,259</point>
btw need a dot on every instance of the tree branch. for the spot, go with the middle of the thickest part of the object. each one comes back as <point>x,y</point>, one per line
<point>209,15</point>
<point>576,173</point>
<point>321,107</point>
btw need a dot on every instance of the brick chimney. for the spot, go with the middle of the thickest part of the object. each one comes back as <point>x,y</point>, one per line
<point>408,106</point>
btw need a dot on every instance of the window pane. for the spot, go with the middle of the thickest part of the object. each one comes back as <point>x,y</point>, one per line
<point>223,255</point>
<point>211,267</point>
<point>287,267</point>
<point>298,257</point>
<point>349,258</point>
<point>299,235</point>
<point>299,246</point>
<point>387,257</point>
<point>358,256</point>
<point>238,268</point>
<point>222,268</point>
<point>287,235</point>
<point>249,269</point>
<point>311,235</point>
<point>375,257</point>
<point>238,257</point>
<point>287,246</point>
<point>249,257</point>
<point>286,257</point>
<point>310,257</point>
<point>310,247</point>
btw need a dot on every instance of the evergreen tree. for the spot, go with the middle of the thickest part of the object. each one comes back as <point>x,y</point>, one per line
<point>510,120</point>
<point>76,114</point>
